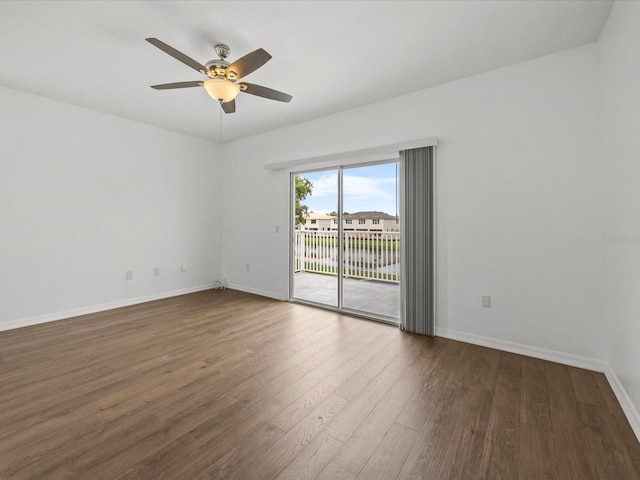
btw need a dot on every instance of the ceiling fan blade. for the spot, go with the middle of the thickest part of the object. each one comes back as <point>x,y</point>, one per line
<point>265,92</point>
<point>228,107</point>
<point>167,86</point>
<point>250,62</point>
<point>177,55</point>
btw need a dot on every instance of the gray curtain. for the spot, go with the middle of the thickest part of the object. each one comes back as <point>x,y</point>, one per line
<point>418,286</point>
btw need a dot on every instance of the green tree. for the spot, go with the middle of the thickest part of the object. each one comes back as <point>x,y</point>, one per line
<point>304,188</point>
<point>333,214</point>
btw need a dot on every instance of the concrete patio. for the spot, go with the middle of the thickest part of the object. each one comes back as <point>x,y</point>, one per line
<point>369,296</point>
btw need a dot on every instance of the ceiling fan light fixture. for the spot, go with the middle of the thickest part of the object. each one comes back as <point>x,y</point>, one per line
<point>221,89</point>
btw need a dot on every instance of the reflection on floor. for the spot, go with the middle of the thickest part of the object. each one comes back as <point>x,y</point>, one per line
<point>369,296</point>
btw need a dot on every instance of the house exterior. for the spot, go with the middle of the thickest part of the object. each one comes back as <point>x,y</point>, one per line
<point>370,222</point>
<point>319,222</point>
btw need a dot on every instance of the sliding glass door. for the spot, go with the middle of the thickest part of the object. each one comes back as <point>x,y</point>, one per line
<point>315,238</point>
<point>371,240</point>
<point>346,239</point>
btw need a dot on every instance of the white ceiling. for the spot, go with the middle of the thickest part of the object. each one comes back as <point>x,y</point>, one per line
<point>330,55</point>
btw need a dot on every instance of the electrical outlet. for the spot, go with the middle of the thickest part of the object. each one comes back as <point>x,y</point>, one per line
<point>277,228</point>
<point>129,274</point>
<point>156,271</point>
<point>183,268</point>
<point>246,267</point>
<point>486,301</point>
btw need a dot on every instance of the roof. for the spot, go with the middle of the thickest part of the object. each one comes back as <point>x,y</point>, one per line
<point>369,215</point>
<point>318,216</point>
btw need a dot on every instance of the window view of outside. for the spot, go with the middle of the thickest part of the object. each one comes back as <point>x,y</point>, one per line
<point>371,239</point>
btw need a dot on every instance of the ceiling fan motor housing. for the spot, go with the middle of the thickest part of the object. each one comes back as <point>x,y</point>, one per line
<point>218,69</point>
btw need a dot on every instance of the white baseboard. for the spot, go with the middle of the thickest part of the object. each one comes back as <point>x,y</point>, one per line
<point>554,356</point>
<point>528,350</point>
<point>52,317</point>
<point>256,291</point>
<point>625,402</point>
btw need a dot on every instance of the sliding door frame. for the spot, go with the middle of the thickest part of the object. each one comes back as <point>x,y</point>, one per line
<point>340,261</point>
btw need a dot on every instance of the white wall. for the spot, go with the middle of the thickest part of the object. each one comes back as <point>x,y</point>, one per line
<point>85,196</point>
<point>619,45</point>
<point>519,184</point>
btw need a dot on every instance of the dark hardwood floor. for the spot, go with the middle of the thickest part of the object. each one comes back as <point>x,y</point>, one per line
<point>227,385</point>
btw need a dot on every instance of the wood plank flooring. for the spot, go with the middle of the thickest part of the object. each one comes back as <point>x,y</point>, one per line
<point>228,385</point>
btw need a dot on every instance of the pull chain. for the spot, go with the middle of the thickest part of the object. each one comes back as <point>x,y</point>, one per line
<point>220,136</point>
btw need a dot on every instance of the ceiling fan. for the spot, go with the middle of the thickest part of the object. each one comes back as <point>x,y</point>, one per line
<point>223,76</point>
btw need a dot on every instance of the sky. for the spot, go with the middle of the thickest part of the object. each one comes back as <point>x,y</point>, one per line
<point>368,188</point>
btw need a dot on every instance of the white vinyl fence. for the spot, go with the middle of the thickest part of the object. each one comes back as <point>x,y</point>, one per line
<point>367,255</point>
